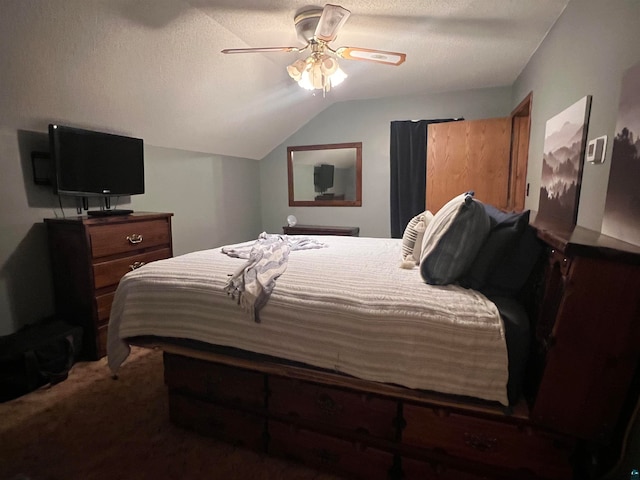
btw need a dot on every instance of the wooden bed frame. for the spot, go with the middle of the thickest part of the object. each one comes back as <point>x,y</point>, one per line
<point>582,390</point>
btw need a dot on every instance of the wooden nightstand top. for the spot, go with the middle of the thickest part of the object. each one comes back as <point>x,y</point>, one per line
<point>321,230</point>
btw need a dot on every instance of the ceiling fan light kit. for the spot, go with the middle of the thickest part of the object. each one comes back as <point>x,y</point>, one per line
<point>320,70</point>
<point>317,76</point>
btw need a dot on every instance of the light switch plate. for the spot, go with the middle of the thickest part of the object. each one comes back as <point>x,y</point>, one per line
<point>596,149</point>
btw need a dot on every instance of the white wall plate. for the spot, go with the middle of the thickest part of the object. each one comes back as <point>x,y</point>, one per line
<point>596,149</point>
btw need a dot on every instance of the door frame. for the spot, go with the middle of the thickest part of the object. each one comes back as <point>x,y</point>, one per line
<point>520,130</point>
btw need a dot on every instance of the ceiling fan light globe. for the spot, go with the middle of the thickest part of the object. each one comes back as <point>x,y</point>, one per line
<point>328,65</point>
<point>296,69</point>
<point>305,81</point>
<point>338,77</point>
<point>294,73</point>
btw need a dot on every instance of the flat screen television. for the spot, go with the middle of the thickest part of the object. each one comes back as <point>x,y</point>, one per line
<point>89,163</point>
<point>323,177</point>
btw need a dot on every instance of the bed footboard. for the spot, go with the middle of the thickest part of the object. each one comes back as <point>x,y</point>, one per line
<point>358,428</point>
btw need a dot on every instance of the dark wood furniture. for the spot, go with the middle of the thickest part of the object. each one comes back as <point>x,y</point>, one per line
<point>363,429</point>
<point>321,230</point>
<point>585,337</point>
<point>588,331</point>
<point>89,255</point>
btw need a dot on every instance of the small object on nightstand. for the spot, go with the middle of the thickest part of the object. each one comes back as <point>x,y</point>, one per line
<point>292,220</point>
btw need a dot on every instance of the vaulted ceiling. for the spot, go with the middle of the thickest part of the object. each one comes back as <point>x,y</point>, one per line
<point>153,68</point>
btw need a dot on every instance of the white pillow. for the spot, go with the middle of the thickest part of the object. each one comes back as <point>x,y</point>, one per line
<point>413,235</point>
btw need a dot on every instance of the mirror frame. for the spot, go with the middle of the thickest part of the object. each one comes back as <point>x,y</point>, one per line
<point>326,203</point>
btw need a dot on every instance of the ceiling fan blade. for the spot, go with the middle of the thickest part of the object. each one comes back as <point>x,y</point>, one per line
<point>379,56</point>
<point>331,20</point>
<point>261,49</point>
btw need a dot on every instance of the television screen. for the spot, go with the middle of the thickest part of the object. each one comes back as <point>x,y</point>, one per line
<point>323,177</point>
<point>89,163</point>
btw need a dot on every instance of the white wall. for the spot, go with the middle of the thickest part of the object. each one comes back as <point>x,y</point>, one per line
<point>214,198</point>
<point>586,53</point>
<point>366,121</point>
<point>25,279</point>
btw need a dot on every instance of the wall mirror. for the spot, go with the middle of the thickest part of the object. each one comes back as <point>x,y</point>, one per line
<point>325,175</point>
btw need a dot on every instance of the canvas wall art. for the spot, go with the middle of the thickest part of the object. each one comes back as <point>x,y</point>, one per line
<point>622,208</point>
<point>563,157</point>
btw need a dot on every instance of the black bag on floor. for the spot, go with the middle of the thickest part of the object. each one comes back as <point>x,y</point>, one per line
<point>37,354</point>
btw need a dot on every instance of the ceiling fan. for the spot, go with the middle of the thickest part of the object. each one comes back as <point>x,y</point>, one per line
<point>316,28</point>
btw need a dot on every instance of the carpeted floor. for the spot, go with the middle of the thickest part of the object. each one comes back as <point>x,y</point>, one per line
<point>93,427</point>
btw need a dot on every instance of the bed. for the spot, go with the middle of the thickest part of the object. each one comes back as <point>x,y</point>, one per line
<point>359,366</point>
<point>346,307</point>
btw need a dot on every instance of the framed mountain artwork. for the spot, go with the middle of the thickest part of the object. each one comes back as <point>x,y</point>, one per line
<point>622,208</point>
<point>565,140</point>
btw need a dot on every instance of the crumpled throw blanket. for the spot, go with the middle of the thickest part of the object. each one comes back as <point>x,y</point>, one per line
<point>267,258</point>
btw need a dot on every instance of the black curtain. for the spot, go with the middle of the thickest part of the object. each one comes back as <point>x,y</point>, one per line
<point>408,171</point>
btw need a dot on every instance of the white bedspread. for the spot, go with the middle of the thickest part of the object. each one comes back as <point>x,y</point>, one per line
<point>347,308</point>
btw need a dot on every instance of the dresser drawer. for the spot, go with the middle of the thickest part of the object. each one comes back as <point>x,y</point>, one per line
<point>110,272</point>
<point>220,383</point>
<point>128,237</point>
<point>487,441</point>
<point>227,424</point>
<point>423,470</point>
<point>103,306</point>
<point>335,408</point>
<point>326,452</point>
<point>101,340</point>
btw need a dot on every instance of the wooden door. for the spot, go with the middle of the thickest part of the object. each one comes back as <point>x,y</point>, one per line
<point>469,155</point>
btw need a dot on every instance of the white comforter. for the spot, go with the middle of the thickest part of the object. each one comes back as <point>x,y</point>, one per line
<point>347,307</point>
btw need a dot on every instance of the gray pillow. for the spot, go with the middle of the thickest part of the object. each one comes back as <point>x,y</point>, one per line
<point>512,272</point>
<point>506,230</point>
<point>452,240</point>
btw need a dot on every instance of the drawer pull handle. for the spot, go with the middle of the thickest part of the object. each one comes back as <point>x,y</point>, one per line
<point>134,238</point>
<point>135,265</point>
<point>480,442</point>
<point>327,404</point>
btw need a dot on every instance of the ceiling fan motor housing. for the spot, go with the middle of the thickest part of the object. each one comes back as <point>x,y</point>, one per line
<point>306,23</point>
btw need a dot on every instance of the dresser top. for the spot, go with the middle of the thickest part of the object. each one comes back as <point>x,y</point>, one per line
<point>574,239</point>
<point>133,217</point>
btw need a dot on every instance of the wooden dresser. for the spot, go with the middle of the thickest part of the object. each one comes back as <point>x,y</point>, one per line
<point>88,258</point>
<point>321,230</point>
<point>588,331</point>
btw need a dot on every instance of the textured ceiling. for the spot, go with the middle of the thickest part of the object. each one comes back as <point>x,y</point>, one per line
<point>153,68</point>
